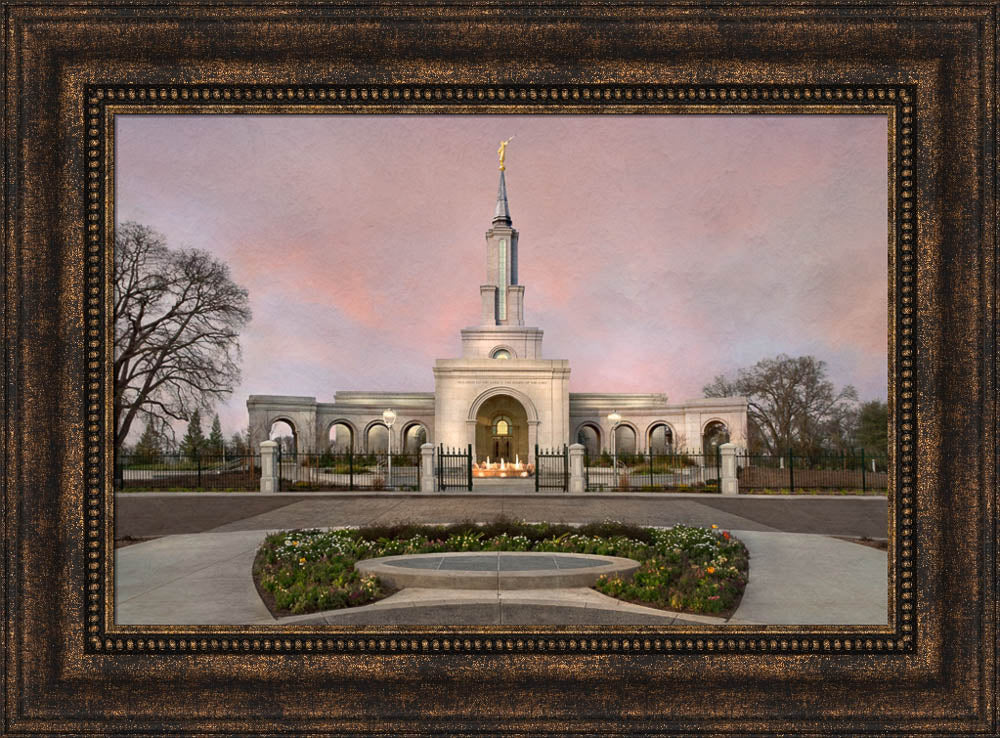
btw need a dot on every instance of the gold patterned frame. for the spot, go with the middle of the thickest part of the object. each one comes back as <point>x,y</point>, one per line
<point>933,668</point>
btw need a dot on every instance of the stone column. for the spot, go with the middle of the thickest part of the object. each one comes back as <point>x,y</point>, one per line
<point>576,481</point>
<point>269,467</point>
<point>729,484</point>
<point>532,442</point>
<point>427,467</point>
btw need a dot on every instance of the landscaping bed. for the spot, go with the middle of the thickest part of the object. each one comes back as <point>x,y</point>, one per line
<point>683,568</point>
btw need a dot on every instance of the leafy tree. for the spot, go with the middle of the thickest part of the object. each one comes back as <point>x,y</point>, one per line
<point>238,444</point>
<point>873,427</point>
<point>177,317</point>
<point>791,404</point>
<point>149,448</point>
<point>216,442</point>
<point>193,442</point>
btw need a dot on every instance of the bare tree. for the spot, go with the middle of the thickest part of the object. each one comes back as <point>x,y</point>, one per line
<point>791,404</point>
<point>178,317</point>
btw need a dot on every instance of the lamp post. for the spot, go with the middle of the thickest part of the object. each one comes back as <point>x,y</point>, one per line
<point>389,417</point>
<point>614,418</point>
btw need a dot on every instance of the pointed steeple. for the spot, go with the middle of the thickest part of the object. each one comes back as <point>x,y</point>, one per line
<point>501,215</point>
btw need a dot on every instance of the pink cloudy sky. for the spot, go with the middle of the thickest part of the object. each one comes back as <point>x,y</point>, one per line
<point>656,251</point>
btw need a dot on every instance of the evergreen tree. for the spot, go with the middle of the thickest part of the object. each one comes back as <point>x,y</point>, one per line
<point>193,442</point>
<point>148,449</point>
<point>873,427</point>
<point>216,442</point>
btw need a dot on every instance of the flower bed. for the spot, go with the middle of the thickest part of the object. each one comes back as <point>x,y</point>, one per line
<point>697,570</point>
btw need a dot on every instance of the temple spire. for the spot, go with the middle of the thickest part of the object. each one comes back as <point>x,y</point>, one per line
<point>502,213</point>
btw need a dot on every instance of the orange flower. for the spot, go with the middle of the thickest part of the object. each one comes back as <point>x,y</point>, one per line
<point>710,570</point>
<point>714,525</point>
<point>725,534</point>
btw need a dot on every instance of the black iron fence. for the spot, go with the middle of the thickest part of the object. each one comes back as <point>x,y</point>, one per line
<point>454,467</point>
<point>182,472</point>
<point>346,470</point>
<point>653,471</point>
<point>551,468</point>
<point>853,470</point>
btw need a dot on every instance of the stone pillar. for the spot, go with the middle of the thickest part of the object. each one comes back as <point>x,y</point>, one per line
<point>427,467</point>
<point>269,467</point>
<point>576,481</point>
<point>729,483</point>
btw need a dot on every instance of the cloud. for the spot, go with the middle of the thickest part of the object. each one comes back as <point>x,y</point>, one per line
<point>656,251</point>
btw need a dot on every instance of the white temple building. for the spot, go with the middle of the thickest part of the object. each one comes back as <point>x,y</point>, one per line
<point>501,396</point>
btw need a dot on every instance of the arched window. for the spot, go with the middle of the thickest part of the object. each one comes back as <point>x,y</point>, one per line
<point>501,426</point>
<point>500,354</point>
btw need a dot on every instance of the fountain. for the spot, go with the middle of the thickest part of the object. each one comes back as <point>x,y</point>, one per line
<point>502,469</point>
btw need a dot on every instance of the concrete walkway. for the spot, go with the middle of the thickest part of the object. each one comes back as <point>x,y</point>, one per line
<point>198,579</point>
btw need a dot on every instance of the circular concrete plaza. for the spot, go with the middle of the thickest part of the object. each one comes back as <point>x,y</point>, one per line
<point>495,570</point>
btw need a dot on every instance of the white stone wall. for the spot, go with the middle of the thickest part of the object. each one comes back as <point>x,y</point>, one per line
<point>358,410</point>
<point>642,412</point>
<point>523,343</point>
<point>299,412</point>
<point>462,385</point>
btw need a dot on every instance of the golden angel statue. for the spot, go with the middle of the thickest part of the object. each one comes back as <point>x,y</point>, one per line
<point>502,152</point>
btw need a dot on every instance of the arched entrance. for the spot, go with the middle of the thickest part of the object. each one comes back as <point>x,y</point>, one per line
<point>590,436</point>
<point>661,439</point>
<point>625,439</point>
<point>285,434</point>
<point>377,438</point>
<point>414,436</point>
<point>715,434</point>
<point>341,438</point>
<point>502,430</point>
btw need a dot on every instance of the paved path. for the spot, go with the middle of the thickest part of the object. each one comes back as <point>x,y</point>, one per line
<point>196,579</point>
<point>143,515</point>
<point>795,578</point>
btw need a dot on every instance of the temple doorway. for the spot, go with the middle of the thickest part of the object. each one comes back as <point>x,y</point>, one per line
<point>502,430</point>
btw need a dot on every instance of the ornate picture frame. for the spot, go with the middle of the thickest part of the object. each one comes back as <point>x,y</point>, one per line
<point>70,69</point>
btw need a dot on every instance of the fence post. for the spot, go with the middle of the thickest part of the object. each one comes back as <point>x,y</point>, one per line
<point>268,466</point>
<point>791,473</point>
<point>650,452</point>
<point>350,467</point>
<point>576,481</point>
<point>538,467</point>
<point>565,468</point>
<point>863,485</point>
<point>197,460</point>
<point>729,483</point>
<point>468,466</point>
<point>427,467</point>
